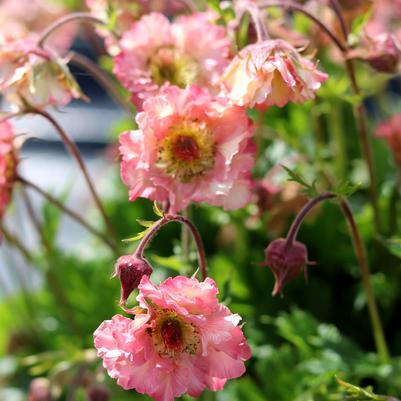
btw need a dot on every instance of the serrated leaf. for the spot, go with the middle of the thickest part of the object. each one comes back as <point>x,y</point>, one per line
<point>157,210</point>
<point>309,189</point>
<point>346,189</point>
<point>146,223</point>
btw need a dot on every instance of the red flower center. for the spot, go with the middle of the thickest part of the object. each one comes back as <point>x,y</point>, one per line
<point>172,335</point>
<point>186,148</point>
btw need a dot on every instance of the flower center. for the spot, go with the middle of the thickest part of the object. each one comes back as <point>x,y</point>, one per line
<point>187,151</point>
<point>173,335</point>
<point>171,65</point>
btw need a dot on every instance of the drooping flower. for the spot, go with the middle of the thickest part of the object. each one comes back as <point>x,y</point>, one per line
<point>181,341</point>
<point>382,52</point>
<point>8,164</point>
<point>155,52</point>
<point>190,147</point>
<point>390,131</point>
<point>130,269</point>
<point>271,73</point>
<point>286,261</point>
<point>36,76</point>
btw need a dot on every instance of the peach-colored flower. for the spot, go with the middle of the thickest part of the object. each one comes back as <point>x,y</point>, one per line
<point>8,164</point>
<point>390,131</point>
<point>190,147</point>
<point>155,52</point>
<point>18,18</point>
<point>33,75</point>
<point>180,342</point>
<point>271,73</point>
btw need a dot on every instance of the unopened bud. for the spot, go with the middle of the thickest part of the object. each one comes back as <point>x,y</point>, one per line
<point>98,392</point>
<point>39,390</point>
<point>130,270</point>
<point>382,52</point>
<point>286,261</point>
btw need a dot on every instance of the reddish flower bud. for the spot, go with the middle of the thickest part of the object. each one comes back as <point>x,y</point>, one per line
<point>382,52</point>
<point>98,392</point>
<point>285,261</point>
<point>130,269</point>
<point>39,390</point>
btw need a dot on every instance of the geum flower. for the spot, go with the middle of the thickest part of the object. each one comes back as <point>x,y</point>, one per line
<point>190,147</point>
<point>38,77</point>
<point>271,73</point>
<point>390,131</point>
<point>181,341</point>
<point>8,164</point>
<point>155,52</point>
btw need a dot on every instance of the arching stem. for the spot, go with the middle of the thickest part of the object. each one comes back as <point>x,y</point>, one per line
<point>168,218</point>
<point>69,212</point>
<point>73,149</point>
<point>378,332</point>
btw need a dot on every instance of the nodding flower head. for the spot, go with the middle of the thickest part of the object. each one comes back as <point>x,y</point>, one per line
<point>271,73</point>
<point>34,76</point>
<point>286,261</point>
<point>130,269</point>
<point>181,341</point>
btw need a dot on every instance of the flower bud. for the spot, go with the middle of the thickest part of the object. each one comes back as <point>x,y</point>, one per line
<point>382,52</point>
<point>130,269</point>
<point>39,390</point>
<point>286,261</point>
<point>98,392</point>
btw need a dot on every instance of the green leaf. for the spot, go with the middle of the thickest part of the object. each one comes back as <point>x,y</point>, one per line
<point>157,210</point>
<point>360,394</point>
<point>309,189</point>
<point>346,189</point>
<point>360,21</point>
<point>146,223</point>
<point>136,237</point>
<point>394,246</point>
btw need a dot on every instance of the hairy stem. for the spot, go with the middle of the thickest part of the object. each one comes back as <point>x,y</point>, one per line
<point>168,218</point>
<point>103,78</point>
<point>73,149</point>
<point>70,213</point>
<point>374,316</point>
<point>296,224</point>
<point>378,332</point>
<point>290,5</point>
<point>78,16</point>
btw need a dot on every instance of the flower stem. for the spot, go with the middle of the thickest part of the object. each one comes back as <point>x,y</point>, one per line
<point>69,212</point>
<point>103,78</point>
<point>73,149</point>
<point>78,16</point>
<point>290,5</point>
<point>336,6</point>
<point>168,218</point>
<point>378,332</point>
<point>374,316</point>
<point>260,26</point>
<point>359,111</point>
<point>296,224</point>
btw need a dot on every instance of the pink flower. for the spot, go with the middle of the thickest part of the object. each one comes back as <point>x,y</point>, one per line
<point>20,17</point>
<point>390,131</point>
<point>191,50</point>
<point>271,73</point>
<point>33,75</point>
<point>181,341</point>
<point>8,164</point>
<point>190,147</point>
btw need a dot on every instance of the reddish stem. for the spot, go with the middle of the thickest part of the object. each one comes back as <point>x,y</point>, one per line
<point>168,218</point>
